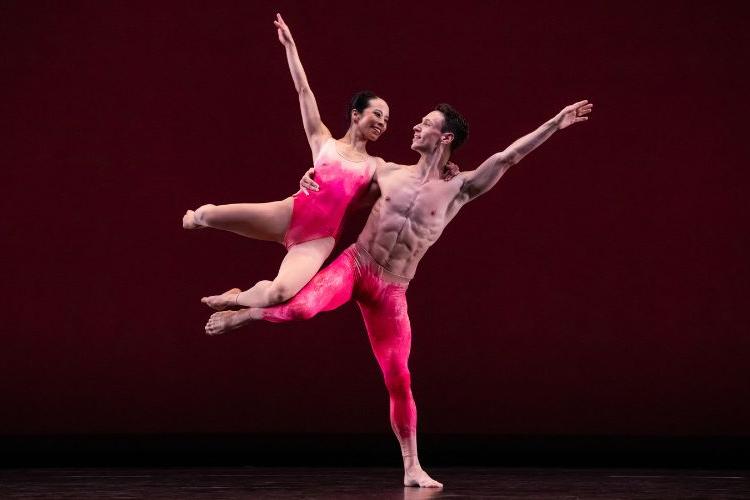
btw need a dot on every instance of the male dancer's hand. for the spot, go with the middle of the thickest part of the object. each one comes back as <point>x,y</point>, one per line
<point>573,114</point>
<point>285,36</point>
<point>306,183</point>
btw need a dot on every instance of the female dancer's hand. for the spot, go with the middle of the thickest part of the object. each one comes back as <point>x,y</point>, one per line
<point>285,36</point>
<point>307,183</point>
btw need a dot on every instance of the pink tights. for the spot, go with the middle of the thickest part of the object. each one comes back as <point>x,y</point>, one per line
<point>381,298</point>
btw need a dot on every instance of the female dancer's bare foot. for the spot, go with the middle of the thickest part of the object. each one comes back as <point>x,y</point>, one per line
<point>221,302</point>
<point>416,476</point>
<point>188,221</point>
<point>222,322</point>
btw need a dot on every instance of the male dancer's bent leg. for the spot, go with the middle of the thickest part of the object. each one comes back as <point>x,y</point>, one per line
<point>329,289</point>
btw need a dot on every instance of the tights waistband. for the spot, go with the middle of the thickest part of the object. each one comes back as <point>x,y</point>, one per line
<point>364,258</point>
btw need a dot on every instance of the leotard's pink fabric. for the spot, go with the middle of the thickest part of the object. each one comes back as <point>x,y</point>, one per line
<point>381,297</point>
<point>321,213</point>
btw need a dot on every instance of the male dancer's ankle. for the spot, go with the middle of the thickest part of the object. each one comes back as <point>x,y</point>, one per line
<point>410,460</point>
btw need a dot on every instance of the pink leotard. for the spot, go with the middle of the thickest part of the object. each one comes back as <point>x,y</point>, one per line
<point>321,213</point>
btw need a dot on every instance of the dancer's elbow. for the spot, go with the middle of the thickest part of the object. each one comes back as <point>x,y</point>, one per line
<point>507,158</point>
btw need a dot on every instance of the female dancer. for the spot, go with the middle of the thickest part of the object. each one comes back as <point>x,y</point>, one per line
<point>307,224</point>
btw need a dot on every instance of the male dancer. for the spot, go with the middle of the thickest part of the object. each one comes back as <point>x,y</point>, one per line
<point>414,207</point>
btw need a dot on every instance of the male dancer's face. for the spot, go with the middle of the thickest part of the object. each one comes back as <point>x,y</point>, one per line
<point>427,134</point>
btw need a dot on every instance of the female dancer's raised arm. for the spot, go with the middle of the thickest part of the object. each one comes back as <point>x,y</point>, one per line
<point>317,132</point>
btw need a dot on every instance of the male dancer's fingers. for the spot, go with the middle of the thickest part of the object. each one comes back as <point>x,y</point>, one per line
<point>582,111</point>
<point>304,187</point>
<point>308,182</point>
<point>576,107</point>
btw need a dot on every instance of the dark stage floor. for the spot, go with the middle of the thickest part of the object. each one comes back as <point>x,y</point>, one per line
<point>460,482</point>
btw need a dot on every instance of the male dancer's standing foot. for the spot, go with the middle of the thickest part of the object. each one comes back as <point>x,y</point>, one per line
<point>414,474</point>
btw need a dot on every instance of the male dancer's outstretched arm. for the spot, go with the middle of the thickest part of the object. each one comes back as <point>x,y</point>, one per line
<point>481,180</point>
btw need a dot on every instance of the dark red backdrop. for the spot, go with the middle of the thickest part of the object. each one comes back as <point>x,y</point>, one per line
<point>600,288</point>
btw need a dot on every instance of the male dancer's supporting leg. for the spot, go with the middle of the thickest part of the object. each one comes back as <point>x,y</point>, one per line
<point>389,329</point>
<point>384,310</point>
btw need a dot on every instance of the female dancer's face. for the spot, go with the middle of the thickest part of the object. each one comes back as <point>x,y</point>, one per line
<point>373,121</point>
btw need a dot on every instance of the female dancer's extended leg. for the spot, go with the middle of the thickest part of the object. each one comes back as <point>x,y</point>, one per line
<point>301,263</point>
<point>261,221</point>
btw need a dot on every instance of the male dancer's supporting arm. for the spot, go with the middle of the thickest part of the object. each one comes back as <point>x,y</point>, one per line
<point>481,180</point>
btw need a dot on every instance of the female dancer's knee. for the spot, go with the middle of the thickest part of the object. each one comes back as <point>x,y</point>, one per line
<point>280,291</point>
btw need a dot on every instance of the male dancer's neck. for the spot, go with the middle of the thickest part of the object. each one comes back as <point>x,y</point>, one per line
<point>431,163</point>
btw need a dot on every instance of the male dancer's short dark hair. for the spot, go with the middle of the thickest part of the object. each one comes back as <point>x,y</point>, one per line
<point>455,124</point>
